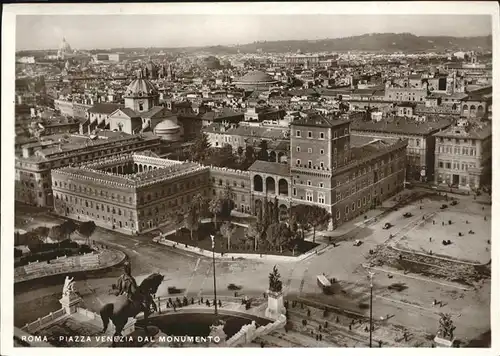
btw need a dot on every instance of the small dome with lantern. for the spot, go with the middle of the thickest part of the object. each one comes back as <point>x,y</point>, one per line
<point>140,87</point>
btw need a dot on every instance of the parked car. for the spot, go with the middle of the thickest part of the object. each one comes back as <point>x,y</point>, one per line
<point>233,286</point>
<point>173,290</point>
<point>357,243</point>
<point>407,215</point>
<point>444,206</point>
<point>454,202</point>
<point>387,226</point>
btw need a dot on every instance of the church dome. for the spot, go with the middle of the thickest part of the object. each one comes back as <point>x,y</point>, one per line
<point>166,126</point>
<point>168,130</point>
<point>256,76</point>
<point>65,47</point>
<point>141,87</point>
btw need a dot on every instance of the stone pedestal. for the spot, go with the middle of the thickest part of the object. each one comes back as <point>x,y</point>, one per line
<point>217,332</point>
<point>440,342</point>
<point>70,302</point>
<point>275,306</point>
<point>129,327</point>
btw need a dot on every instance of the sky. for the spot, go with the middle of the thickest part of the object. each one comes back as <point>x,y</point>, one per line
<point>107,31</point>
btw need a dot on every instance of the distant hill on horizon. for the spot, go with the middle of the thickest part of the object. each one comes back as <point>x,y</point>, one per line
<point>376,42</point>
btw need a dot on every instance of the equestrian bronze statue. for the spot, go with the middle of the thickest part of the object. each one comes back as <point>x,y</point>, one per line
<point>131,300</point>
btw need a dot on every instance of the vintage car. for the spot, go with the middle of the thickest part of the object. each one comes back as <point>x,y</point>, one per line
<point>387,226</point>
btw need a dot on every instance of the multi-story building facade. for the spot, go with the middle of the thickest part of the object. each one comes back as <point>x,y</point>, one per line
<point>406,94</point>
<point>246,135</point>
<point>130,193</point>
<point>328,171</point>
<point>420,137</point>
<point>239,181</point>
<point>33,167</point>
<point>463,156</point>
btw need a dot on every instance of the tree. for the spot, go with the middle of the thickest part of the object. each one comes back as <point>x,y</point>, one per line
<point>86,229</point>
<point>215,208</point>
<point>68,227</point>
<point>240,151</point>
<point>191,220</point>
<point>178,218</point>
<point>255,231</point>
<point>317,216</point>
<point>276,211</point>
<point>265,213</point>
<point>278,235</point>
<point>263,154</point>
<point>56,233</point>
<point>227,201</point>
<point>200,203</point>
<point>299,213</point>
<point>227,230</point>
<point>200,149</point>
<point>222,157</point>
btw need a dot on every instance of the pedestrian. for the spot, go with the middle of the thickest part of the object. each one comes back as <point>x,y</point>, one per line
<point>350,327</point>
<point>326,324</point>
<point>366,329</point>
<point>199,302</point>
<point>317,337</point>
<point>442,223</point>
<point>262,344</point>
<point>220,304</point>
<point>319,327</point>
<point>433,222</point>
<point>192,300</point>
<point>308,312</point>
<point>430,239</point>
<point>202,299</point>
<point>320,337</point>
<point>337,319</point>
<point>485,218</point>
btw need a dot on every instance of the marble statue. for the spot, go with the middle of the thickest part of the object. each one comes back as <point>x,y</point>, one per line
<point>69,286</point>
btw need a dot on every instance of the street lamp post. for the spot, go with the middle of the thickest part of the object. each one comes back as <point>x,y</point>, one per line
<point>213,262</point>
<point>371,274</point>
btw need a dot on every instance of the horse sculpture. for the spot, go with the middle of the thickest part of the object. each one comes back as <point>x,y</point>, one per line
<point>124,307</point>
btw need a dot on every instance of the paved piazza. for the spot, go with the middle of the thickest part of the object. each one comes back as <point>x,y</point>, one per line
<point>468,247</point>
<point>411,307</point>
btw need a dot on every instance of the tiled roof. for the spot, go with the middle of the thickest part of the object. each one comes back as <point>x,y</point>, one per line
<point>279,169</point>
<point>401,125</point>
<point>155,111</point>
<point>317,120</point>
<point>475,132</point>
<point>104,108</point>
<point>129,112</point>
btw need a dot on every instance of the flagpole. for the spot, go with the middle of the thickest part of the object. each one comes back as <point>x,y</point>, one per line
<point>213,262</point>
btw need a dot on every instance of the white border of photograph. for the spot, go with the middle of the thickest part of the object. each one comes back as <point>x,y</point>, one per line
<point>323,8</point>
